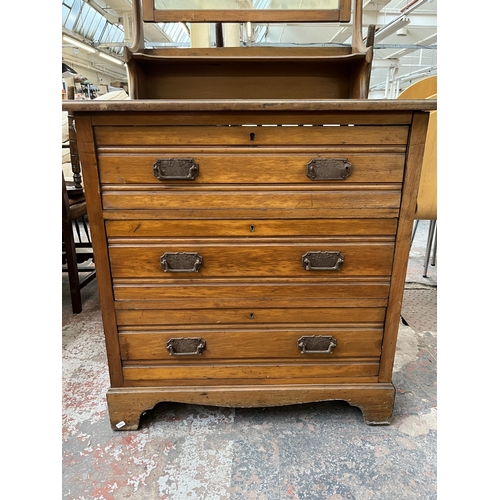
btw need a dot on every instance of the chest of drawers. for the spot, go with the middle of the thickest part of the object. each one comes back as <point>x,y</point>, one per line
<point>250,253</point>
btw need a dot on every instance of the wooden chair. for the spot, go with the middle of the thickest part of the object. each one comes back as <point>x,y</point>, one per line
<point>427,190</point>
<point>76,240</point>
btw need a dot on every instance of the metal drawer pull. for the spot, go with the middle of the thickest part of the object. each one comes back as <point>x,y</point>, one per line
<point>328,169</point>
<point>316,344</point>
<point>181,262</point>
<point>186,346</point>
<point>175,169</point>
<point>322,261</point>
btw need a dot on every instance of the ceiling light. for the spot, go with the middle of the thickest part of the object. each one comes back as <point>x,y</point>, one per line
<point>78,44</point>
<point>68,71</point>
<point>112,59</point>
<point>402,32</point>
<point>391,28</point>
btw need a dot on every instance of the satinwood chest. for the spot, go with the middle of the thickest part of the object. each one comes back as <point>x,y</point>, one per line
<point>250,252</point>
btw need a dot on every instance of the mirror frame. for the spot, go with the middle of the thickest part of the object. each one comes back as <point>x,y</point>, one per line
<point>152,15</point>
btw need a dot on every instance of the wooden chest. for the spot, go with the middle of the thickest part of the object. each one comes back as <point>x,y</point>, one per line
<point>250,253</point>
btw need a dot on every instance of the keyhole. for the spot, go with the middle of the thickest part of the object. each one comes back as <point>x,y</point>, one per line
<point>252,136</point>
<point>250,315</point>
<point>252,228</point>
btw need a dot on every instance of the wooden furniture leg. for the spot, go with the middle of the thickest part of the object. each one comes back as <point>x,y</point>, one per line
<point>127,405</point>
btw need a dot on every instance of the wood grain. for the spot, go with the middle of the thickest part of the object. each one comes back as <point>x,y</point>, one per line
<point>88,158</point>
<point>215,302</point>
<point>270,107</point>
<point>227,116</point>
<point>254,316</point>
<point>250,15</point>
<point>251,168</point>
<point>251,344</point>
<point>242,372</point>
<point>416,146</point>
<point>250,200</point>
<point>219,293</point>
<point>239,259</point>
<point>249,228</point>
<point>238,136</point>
<point>252,216</point>
<point>375,400</point>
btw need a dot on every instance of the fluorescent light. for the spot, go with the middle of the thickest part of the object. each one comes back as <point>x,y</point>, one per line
<point>109,58</point>
<point>78,44</point>
<point>391,28</point>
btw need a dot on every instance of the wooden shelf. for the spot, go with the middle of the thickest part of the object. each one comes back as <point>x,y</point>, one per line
<point>248,73</point>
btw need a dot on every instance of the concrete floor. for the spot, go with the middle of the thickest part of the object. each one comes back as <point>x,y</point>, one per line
<point>321,451</point>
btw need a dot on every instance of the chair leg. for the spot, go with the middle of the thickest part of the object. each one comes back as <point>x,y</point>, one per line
<point>415,225</point>
<point>430,238</point>
<point>433,260</point>
<point>74,283</point>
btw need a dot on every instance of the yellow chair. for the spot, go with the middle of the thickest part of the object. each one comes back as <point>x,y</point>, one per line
<point>427,191</point>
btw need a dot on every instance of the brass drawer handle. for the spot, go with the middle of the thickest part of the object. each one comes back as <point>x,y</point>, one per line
<point>322,261</point>
<point>186,346</point>
<point>176,169</point>
<point>181,262</point>
<point>316,344</point>
<point>328,169</point>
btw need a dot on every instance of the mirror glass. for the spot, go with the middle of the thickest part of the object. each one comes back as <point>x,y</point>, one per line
<point>246,4</point>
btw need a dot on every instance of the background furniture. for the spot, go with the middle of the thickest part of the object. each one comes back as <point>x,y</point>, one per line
<point>77,251</point>
<point>427,190</point>
<point>77,248</point>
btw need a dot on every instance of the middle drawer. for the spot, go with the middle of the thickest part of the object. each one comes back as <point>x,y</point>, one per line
<point>193,259</point>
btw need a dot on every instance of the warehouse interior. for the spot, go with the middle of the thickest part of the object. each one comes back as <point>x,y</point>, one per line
<point>315,451</point>
<point>94,33</point>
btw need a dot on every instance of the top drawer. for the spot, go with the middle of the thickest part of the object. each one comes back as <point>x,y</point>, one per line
<point>315,166</point>
<point>242,135</point>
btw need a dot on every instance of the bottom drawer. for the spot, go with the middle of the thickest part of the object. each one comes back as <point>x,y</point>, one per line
<point>244,356</point>
<point>251,344</point>
<point>250,373</point>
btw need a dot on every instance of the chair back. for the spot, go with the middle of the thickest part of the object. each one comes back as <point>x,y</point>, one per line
<point>427,190</point>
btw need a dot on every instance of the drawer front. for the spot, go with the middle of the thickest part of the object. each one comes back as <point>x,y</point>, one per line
<point>230,258</point>
<point>250,316</point>
<point>252,168</point>
<point>251,344</point>
<point>215,294</point>
<point>254,201</point>
<point>249,228</point>
<point>248,373</point>
<point>251,136</point>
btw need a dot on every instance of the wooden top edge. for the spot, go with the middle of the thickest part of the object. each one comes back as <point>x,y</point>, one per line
<point>230,54</point>
<point>244,50</point>
<point>151,105</point>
